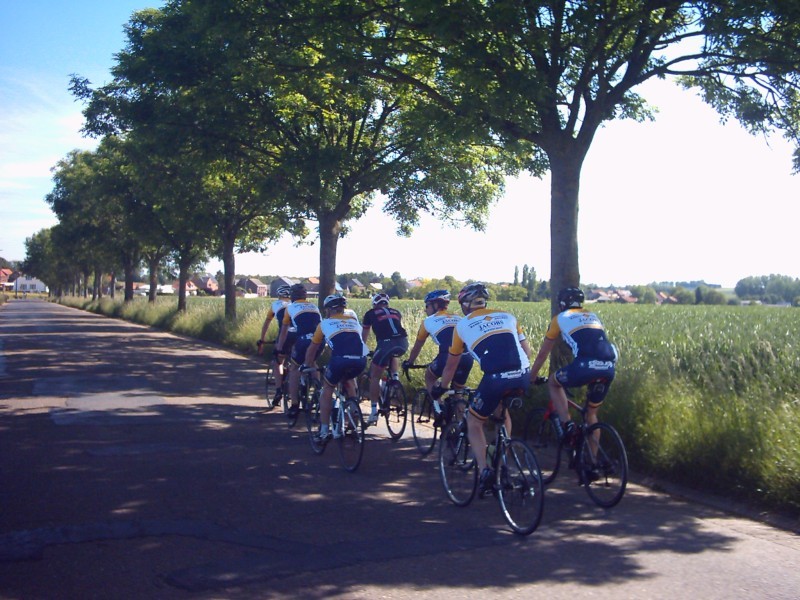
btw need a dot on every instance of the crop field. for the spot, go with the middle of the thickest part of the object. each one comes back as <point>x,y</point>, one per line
<point>707,396</point>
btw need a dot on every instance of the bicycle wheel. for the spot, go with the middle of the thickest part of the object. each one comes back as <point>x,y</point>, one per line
<point>351,442</point>
<point>423,427</point>
<point>603,465</point>
<point>396,408</point>
<point>313,422</point>
<point>541,436</point>
<point>457,465</point>
<point>521,492</point>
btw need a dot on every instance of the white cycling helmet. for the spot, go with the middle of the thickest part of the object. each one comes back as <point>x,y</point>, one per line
<point>380,298</point>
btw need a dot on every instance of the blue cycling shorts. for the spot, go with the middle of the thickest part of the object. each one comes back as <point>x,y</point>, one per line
<point>494,386</point>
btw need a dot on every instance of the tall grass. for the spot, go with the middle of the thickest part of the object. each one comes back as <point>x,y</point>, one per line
<point>708,396</point>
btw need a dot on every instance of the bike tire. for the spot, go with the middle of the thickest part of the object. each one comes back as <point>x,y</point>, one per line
<point>396,409</point>
<point>423,426</point>
<point>457,465</point>
<point>608,462</point>
<point>313,423</point>
<point>521,490</point>
<point>541,436</point>
<point>351,442</point>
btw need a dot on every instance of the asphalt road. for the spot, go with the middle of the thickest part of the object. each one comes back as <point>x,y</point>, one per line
<point>138,464</point>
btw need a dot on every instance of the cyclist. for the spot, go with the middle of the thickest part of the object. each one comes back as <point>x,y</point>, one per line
<point>276,310</point>
<point>391,338</point>
<point>439,326</point>
<point>594,357</point>
<point>496,340</point>
<point>305,317</point>
<point>342,332</point>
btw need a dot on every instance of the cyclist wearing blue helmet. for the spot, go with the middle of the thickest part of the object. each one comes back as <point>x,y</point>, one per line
<point>439,326</point>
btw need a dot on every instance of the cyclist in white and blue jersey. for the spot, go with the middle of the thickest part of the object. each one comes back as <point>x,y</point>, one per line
<point>439,325</point>
<point>304,316</point>
<point>342,333</point>
<point>594,357</point>
<point>496,341</point>
<point>275,312</point>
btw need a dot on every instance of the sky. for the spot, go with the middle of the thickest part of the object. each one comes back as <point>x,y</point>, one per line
<point>683,198</point>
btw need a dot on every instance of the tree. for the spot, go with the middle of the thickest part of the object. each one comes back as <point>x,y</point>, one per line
<point>544,77</point>
<point>253,77</point>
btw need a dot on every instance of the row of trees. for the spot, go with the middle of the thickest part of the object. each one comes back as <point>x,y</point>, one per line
<point>230,122</point>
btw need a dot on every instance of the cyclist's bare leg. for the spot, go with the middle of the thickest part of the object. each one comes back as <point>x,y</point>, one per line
<point>477,439</point>
<point>350,388</point>
<point>325,405</point>
<point>558,396</point>
<point>294,383</point>
<point>394,365</point>
<point>375,372</point>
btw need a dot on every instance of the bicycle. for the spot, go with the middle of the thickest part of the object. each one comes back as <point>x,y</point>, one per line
<point>309,386</point>
<point>595,451</point>
<point>426,423</point>
<point>517,485</point>
<point>346,425</point>
<point>392,403</point>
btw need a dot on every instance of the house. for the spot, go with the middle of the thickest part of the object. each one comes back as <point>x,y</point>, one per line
<point>24,284</point>
<point>279,282</point>
<point>664,298</point>
<point>355,287</point>
<point>191,288</point>
<point>6,279</point>
<point>251,285</point>
<point>206,283</point>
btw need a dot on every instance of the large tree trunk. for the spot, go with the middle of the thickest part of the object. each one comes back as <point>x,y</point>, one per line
<point>329,230</point>
<point>152,265</point>
<point>565,172</point>
<point>229,266</point>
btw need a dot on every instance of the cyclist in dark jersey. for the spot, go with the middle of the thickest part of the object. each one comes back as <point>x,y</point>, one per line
<point>391,339</point>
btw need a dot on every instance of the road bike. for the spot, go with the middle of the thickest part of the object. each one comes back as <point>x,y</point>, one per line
<point>426,422</point>
<point>517,483</point>
<point>346,426</point>
<point>392,402</point>
<point>308,387</point>
<point>595,451</point>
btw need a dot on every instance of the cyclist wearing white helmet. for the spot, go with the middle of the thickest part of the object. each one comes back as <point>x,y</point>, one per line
<point>305,317</point>
<point>392,341</point>
<point>496,340</point>
<point>439,325</point>
<point>341,330</point>
<point>276,310</point>
<point>594,356</point>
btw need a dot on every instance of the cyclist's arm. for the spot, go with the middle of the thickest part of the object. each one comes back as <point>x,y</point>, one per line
<point>365,329</point>
<point>544,351</point>
<point>311,354</point>
<point>449,370</point>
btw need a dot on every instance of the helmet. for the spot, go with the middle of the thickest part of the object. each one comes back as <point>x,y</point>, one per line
<point>284,291</point>
<point>335,301</point>
<point>473,292</point>
<point>570,298</point>
<point>443,295</point>
<point>297,291</point>
<point>380,298</point>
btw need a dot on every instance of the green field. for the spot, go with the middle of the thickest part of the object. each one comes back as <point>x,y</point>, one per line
<point>706,396</point>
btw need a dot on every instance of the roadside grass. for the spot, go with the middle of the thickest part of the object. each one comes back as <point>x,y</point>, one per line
<point>706,396</point>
